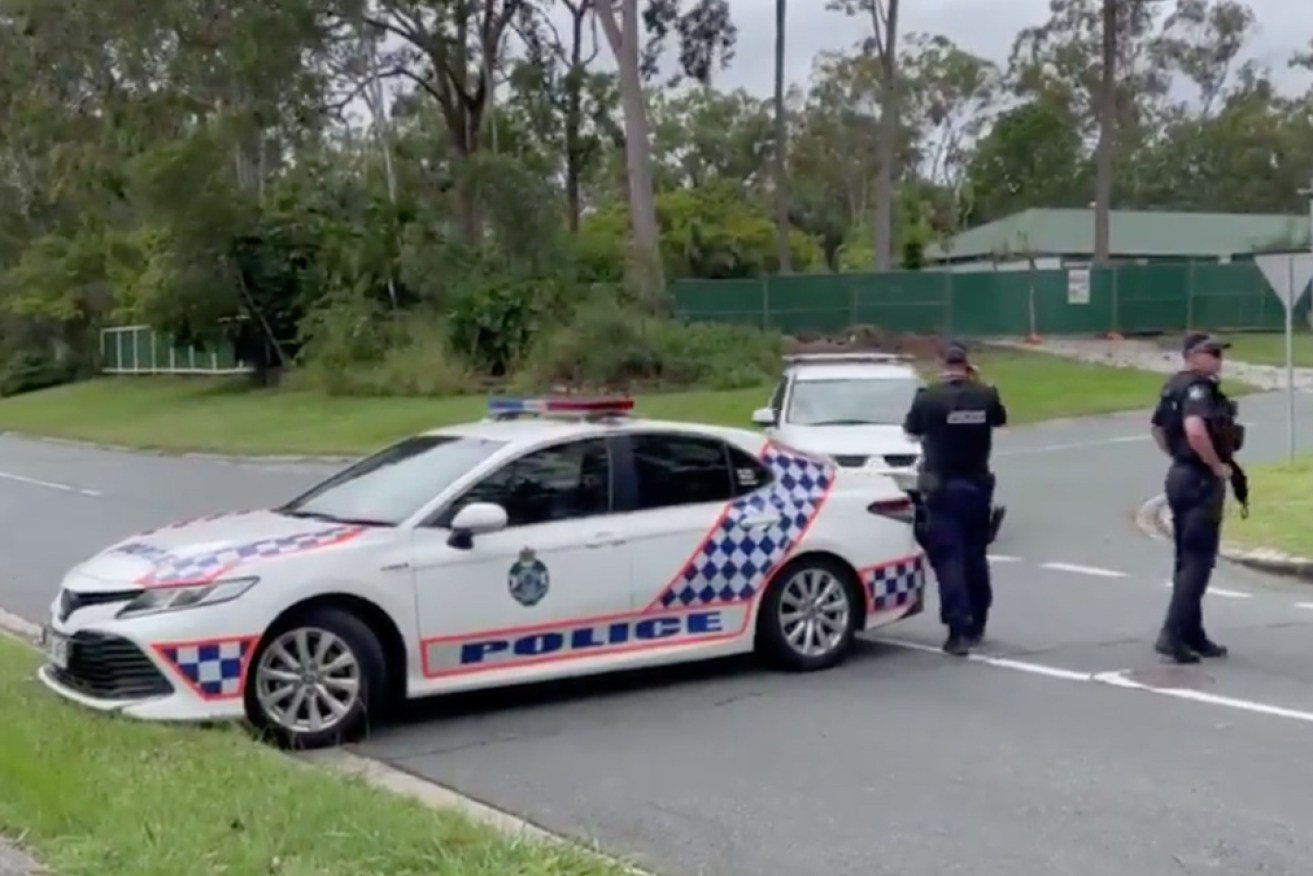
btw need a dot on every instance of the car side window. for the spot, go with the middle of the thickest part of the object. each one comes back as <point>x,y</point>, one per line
<point>675,470</point>
<point>564,482</point>
<point>747,471</point>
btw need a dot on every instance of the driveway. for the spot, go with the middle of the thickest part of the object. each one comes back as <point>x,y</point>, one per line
<point>1063,747</point>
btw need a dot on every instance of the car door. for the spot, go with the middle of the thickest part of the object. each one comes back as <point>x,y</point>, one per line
<point>688,534</point>
<point>509,599</point>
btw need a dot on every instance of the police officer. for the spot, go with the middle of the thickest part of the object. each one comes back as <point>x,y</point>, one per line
<point>955,418</point>
<point>1194,423</point>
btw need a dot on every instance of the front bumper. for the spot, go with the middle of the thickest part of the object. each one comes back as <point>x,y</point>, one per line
<point>136,668</point>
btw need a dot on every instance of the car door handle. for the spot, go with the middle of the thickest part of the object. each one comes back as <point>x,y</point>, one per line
<point>604,539</point>
<point>759,520</point>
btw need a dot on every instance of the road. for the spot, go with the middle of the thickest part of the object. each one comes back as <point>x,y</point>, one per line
<point>1063,747</point>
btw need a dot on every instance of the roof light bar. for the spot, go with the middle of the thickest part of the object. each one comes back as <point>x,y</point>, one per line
<point>840,358</point>
<point>502,407</point>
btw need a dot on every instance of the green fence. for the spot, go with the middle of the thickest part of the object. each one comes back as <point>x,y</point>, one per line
<point>1127,299</point>
<point>137,349</point>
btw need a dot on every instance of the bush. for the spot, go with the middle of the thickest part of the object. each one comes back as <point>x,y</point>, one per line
<point>359,349</point>
<point>607,344</point>
<point>30,370</point>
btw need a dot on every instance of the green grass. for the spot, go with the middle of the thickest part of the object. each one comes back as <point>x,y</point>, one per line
<point>1280,509</point>
<point>92,795</point>
<point>174,413</point>
<point>1268,348</point>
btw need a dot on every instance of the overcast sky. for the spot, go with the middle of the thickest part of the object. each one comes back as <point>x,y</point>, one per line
<point>985,27</point>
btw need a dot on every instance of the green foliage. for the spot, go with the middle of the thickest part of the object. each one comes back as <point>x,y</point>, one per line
<point>608,344</point>
<point>359,348</point>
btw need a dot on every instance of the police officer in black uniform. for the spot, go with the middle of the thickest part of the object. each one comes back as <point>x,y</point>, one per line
<point>1195,424</point>
<point>955,419</point>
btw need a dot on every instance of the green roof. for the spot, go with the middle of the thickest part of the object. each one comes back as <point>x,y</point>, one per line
<point>1134,233</point>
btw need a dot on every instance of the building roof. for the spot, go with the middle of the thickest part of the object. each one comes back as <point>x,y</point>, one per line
<point>1134,233</point>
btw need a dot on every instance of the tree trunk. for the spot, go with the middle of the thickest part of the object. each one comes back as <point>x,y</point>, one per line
<point>623,37</point>
<point>781,147</point>
<point>885,196</point>
<point>573,122</point>
<point>1107,132</point>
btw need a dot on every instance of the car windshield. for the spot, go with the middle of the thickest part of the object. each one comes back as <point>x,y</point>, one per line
<point>387,488</point>
<point>851,401</point>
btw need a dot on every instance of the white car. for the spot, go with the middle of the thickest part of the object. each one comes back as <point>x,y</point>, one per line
<point>553,538</point>
<point>848,407</point>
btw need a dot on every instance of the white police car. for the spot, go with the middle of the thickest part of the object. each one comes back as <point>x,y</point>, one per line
<point>848,407</point>
<point>554,538</point>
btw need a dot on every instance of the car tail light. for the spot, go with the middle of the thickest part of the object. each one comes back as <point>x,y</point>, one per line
<point>898,509</point>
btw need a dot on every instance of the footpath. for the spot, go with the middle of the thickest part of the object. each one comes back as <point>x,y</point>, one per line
<point>16,863</point>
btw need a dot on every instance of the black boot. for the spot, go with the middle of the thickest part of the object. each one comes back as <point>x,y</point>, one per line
<point>956,645</point>
<point>1173,648</point>
<point>1206,647</point>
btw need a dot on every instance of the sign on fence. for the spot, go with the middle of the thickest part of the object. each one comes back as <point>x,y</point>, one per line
<point>138,349</point>
<point>1078,285</point>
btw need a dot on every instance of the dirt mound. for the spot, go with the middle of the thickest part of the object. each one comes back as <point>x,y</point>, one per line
<point>867,339</point>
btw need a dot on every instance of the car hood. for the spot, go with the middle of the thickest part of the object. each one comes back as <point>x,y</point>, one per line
<point>852,441</point>
<point>208,548</point>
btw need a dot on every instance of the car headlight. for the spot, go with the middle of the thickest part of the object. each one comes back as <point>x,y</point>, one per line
<point>160,599</point>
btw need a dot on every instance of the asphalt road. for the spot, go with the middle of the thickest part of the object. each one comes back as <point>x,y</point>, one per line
<point>1064,748</point>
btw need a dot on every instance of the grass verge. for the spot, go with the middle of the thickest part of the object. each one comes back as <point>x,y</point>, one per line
<point>1269,348</point>
<point>176,413</point>
<point>98,796</point>
<point>1280,508</point>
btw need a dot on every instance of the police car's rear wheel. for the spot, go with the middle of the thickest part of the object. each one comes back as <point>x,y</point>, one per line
<point>311,682</point>
<point>808,618</point>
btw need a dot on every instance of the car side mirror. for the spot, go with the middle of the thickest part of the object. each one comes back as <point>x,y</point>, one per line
<point>476,518</point>
<point>763,417</point>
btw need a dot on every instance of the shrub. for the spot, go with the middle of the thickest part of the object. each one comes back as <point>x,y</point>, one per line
<point>358,348</point>
<point>607,344</point>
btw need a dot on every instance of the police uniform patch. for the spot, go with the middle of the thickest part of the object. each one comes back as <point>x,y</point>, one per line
<point>528,579</point>
<point>1197,393</point>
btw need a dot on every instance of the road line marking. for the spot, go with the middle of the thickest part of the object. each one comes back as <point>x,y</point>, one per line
<point>49,485</point>
<point>1222,592</point>
<point>1119,679</point>
<point>1070,445</point>
<point>1083,570</point>
<point>1003,558</point>
<point>1308,605</point>
<point>1115,678</point>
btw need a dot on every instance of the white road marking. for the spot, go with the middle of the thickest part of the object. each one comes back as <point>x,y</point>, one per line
<point>1308,605</point>
<point>1071,445</point>
<point>1083,570</point>
<point>1003,558</point>
<point>1117,679</point>
<point>1218,591</point>
<point>49,485</point>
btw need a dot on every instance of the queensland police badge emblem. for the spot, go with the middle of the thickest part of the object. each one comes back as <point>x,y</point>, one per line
<point>528,579</point>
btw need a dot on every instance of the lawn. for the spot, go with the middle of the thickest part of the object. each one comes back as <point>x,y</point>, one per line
<point>1280,509</point>
<point>97,796</point>
<point>1269,348</point>
<point>176,413</point>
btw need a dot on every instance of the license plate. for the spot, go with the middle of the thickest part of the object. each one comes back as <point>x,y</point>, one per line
<point>56,649</point>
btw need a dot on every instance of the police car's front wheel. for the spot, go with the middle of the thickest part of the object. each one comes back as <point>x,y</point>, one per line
<point>808,617</point>
<point>312,681</point>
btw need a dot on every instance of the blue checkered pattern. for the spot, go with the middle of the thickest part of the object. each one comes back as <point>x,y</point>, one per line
<point>895,585</point>
<point>141,549</point>
<point>180,524</point>
<point>171,569</point>
<point>734,560</point>
<point>214,668</point>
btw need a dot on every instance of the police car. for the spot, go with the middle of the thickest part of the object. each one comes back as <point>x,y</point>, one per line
<point>848,407</point>
<point>555,537</point>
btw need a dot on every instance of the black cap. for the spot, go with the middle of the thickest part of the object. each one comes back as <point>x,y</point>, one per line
<point>1202,342</point>
<point>953,352</point>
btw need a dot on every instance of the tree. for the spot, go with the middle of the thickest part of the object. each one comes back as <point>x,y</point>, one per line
<point>780,156</point>
<point>883,45</point>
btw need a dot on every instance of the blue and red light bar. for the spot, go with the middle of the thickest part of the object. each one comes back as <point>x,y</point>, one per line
<point>561,407</point>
